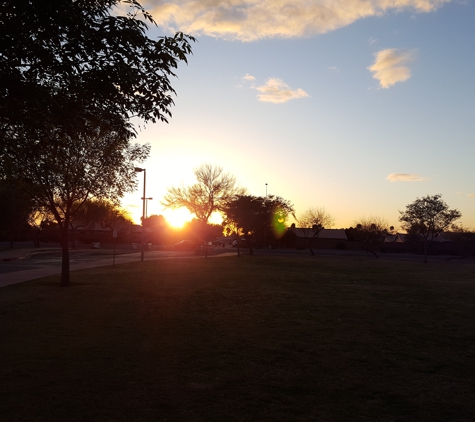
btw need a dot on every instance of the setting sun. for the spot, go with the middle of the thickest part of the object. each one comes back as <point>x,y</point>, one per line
<point>177,218</point>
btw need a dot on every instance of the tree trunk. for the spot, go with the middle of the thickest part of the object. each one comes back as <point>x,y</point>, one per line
<point>369,250</point>
<point>426,247</point>
<point>310,241</point>
<point>64,258</point>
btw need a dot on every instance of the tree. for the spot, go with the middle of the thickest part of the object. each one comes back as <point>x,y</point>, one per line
<point>101,212</point>
<point>371,231</point>
<point>466,239</point>
<point>312,222</point>
<point>69,65</point>
<point>212,191</point>
<point>63,176</point>
<point>428,217</point>
<point>40,219</point>
<point>72,75</point>
<point>249,215</point>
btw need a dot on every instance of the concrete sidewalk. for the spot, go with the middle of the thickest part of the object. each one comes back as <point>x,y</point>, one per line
<point>106,259</point>
<point>24,253</point>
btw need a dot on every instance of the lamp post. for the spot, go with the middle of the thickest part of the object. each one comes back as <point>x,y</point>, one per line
<point>146,206</point>
<point>140,170</point>
<point>265,228</point>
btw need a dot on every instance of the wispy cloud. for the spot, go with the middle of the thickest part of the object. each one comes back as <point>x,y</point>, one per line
<point>277,91</point>
<point>250,20</point>
<point>405,177</point>
<point>390,66</point>
<point>471,195</point>
<point>248,77</point>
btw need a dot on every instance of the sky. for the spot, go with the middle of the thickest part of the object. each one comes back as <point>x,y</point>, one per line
<point>358,107</point>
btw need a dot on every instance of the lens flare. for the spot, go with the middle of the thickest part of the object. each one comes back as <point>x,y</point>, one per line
<point>278,223</point>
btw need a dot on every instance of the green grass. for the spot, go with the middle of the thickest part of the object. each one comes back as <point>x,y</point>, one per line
<point>242,339</point>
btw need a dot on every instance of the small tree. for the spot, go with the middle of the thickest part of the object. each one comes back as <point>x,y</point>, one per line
<point>61,178</point>
<point>312,222</point>
<point>371,231</point>
<point>249,215</point>
<point>40,219</point>
<point>466,239</point>
<point>428,217</point>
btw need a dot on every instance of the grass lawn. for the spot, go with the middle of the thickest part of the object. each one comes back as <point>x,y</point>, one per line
<point>242,339</point>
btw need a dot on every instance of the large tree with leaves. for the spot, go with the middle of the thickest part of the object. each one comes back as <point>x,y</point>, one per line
<point>63,176</point>
<point>68,65</point>
<point>72,75</point>
<point>370,232</point>
<point>250,215</point>
<point>428,217</point>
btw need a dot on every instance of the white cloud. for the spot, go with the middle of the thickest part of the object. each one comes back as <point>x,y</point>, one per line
<point>471,194</point>
<point>248,77</point>
<point>250,20</point>
<point>277,91</point>
<point>405,177</point>
<point>390,66</point>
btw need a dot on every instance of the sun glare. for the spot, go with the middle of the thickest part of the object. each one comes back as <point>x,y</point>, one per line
<point>177,218</point>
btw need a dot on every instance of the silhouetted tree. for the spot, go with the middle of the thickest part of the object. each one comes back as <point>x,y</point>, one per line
<point>212,191</point>
<point>72,75</point>
<point>249,215</point>
<point>428,217</point>
<point>466,239</point>
<point>371,231</point>
<point>63,176</point>
<point>40,220</point>
<point>69,66</point>
<point>312,222</point>
<point>157,226</point>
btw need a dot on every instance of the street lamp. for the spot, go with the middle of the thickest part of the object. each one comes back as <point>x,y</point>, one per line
<point>140,170</point>
<point>146,206</point>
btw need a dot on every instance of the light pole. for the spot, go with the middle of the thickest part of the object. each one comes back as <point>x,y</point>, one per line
<point>265,228</point>
<point>146,206</point>
<point>140,170</point>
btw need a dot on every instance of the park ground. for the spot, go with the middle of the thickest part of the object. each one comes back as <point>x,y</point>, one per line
<point>263,338</point>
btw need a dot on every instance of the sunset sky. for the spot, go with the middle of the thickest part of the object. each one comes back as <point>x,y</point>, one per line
<point>357,106</point>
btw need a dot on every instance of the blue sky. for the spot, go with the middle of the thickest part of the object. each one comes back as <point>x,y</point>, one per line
<point>359,107</point>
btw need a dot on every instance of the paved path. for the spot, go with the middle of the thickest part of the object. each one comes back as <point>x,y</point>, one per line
<point>104,258</point>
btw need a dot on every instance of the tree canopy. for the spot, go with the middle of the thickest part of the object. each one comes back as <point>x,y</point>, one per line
<point>370,231</point>
<point>212,191</point>
<point>72,75</point>
<point>69,66</point>
<point>249,215</point>
<point>428,217</point>
<point>312,222</point>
